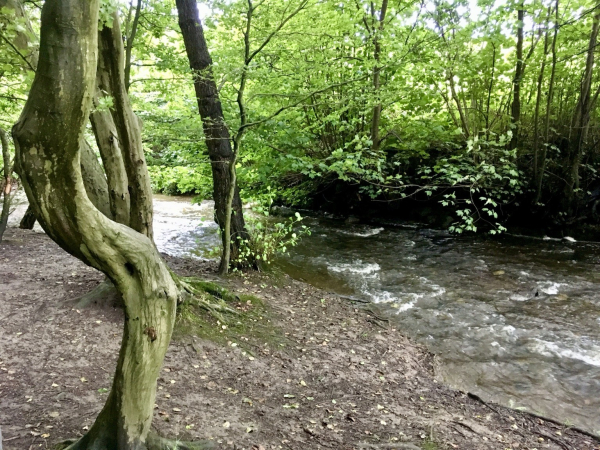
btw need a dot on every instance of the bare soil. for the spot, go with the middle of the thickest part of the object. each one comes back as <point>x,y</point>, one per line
<point>334,376</point>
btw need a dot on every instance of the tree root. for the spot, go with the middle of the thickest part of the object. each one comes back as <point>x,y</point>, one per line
<point>105,294</point>
<point>156,442</point>
<point>199,298</point>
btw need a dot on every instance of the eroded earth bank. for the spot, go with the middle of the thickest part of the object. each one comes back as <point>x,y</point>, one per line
<point>298,368</point>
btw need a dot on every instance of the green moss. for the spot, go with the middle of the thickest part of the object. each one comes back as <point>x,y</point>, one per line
<point>429,445</point>
<point>249,326</point>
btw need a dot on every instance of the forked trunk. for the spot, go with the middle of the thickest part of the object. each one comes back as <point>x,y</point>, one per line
<point>47,141</point>
<point>128,128</point>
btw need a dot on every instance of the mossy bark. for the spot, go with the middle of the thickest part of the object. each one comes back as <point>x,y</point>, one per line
<point>47,141</point>
<point>128,128</point>
<point>107,139</point>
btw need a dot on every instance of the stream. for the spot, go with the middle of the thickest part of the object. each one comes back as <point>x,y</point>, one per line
<point>513,320</point>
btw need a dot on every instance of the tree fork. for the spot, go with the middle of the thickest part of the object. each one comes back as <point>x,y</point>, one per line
<point>128,128</point>
<point>47,142</point>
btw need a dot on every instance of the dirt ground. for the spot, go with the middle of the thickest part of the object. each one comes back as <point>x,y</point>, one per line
<point>334,377</point>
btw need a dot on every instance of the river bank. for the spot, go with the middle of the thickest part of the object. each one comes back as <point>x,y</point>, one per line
<point>336,376</point>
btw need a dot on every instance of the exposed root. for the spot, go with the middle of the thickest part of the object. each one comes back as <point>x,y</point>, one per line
<point>64,445</point>
<point>198,296</point>
<point>105,294</point>
<point>155,442</point>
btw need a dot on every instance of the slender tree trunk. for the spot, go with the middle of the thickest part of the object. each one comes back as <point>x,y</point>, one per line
<point>489,94</point>
<point>581,120</point>
<point>376,76</point>
<point>47,142</point>
<point>461,112</point>
<point>516,103</point>
<point>216,132</point>
<point>130,40</point>
<point>549,99</point>
<point>7,181</point>
<point>538,100</point>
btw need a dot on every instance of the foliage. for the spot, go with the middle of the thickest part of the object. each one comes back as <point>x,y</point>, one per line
<point>447,73</point>
<point>181,180</point>
<point>269,236</point>
<point>477,182</point>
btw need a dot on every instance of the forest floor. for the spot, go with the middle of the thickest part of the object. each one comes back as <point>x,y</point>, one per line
<point>314,371</point>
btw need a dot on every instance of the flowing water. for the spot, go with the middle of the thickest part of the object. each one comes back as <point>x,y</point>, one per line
<point>514,320</point>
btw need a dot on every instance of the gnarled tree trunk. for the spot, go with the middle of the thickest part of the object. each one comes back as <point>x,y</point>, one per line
<point>47,141</point>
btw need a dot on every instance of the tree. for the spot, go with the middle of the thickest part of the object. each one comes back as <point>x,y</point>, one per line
<point>581,119</point>
<point>215,129</point>
<point>6,184</point>
<point>48,147</point>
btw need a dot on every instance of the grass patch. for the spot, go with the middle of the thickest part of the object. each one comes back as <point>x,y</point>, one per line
<point>237,318</point>
<point>429,445</point>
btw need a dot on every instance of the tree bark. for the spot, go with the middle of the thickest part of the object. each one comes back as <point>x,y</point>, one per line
<point>94,179</point>
<point>215,129</point>
<point>376,76</point>
<point>47,142</point>
<point>581,120</point>
<point>7,183</point>
<point>129,130</point>
<point>28,220</point>
<point>519,69</point>
<point>107,139</point>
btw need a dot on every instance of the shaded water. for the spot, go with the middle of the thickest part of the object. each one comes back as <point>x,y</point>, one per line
<point>516,321</point>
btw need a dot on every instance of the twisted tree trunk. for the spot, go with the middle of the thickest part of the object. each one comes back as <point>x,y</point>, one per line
<point>47,141</point>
